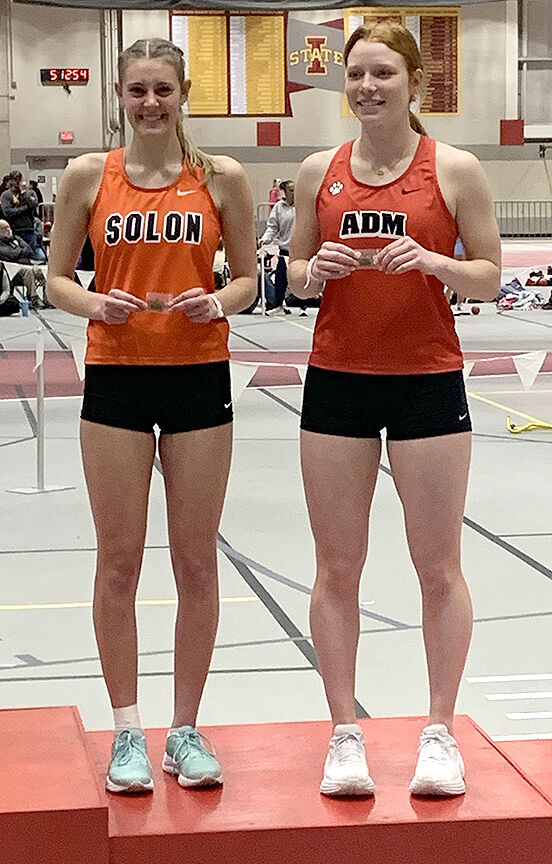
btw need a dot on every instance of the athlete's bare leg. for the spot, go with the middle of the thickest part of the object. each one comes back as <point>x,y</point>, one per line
<point>117,465</point>
<point>339,474</point>
<point>196,466</point>
<point>431,476</point>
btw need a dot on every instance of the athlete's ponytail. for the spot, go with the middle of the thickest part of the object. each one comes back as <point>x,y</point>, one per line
<point>162,49</point>
<point>416,124</point>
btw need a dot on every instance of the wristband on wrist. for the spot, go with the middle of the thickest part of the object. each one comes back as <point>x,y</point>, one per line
<point>218,306</point>
<point>310,276</point>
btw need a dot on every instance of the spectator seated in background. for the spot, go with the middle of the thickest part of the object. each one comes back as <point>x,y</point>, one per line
<point>15,251</point>
<point>19,206</point>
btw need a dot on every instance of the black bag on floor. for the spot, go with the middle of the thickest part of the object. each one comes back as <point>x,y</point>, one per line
<point>9,305</point>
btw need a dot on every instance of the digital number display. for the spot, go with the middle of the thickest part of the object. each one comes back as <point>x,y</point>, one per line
<point>66,75</point>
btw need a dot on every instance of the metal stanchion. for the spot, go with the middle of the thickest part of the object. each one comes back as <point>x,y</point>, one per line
<point>39,370</point>
<point>262,255</point>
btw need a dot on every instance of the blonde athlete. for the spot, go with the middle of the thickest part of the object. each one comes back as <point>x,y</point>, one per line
<point>157,354</point>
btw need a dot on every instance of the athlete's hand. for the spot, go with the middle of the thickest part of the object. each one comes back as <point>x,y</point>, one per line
<point>117,305</point>
<point>404,255</point>
<point>334,261</point>
<point>196,304</point>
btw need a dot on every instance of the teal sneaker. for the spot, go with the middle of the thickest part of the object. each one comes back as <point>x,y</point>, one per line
<point>130,768</point>
<point>187,755</point>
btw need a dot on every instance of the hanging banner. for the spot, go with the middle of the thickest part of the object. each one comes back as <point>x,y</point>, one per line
<point>315,55</point>
<point>241,374</point>
<point>78,350</point>
<point>468,366</point>
<point>528,366</point>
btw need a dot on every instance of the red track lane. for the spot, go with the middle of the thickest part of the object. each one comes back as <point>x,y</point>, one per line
<point>276,369</point>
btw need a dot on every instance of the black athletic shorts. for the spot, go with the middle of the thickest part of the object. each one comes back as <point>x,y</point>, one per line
<point>358,405</point>
<point>175,398</point>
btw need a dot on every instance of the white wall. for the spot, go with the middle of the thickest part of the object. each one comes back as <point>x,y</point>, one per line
<point>49,37</point>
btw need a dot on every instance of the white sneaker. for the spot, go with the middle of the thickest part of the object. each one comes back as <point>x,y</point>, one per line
<point>345,770</point>
<point>440,769</point>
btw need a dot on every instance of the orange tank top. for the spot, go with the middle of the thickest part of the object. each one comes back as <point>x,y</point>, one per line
<point>154,240</point>
<point>375,322</point>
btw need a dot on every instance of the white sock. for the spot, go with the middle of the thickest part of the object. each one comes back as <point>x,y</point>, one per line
<point>126,718</point>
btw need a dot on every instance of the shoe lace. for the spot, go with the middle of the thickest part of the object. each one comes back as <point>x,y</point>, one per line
<point>434,746</point>
<point>190,741</point>
<point>126,747</point>
<point>348,748</point>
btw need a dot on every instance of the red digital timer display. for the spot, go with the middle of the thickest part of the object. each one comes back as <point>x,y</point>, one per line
<point>66,75</point>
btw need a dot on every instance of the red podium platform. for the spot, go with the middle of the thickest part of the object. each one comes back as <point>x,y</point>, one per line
<point>269,810</point>
<point>533,758</point>
<point>51,810</point>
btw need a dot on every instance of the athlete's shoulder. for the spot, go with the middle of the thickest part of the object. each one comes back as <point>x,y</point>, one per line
<point>454,161</point>
<point>313,170</point>
<point>228,184</point>
<point>319,161</point>
<point>86,168</point>
<point>227,166</point>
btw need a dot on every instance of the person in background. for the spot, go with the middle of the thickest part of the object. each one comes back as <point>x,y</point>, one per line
<point>157,355</point>
<point>278,231</point>
<point>14,250</point>
<point>3,186</point>
<point>19,206</point>
<point>275,193</point>
<point>36,189</point>
<point>377,220</point>
<point>455,299</point>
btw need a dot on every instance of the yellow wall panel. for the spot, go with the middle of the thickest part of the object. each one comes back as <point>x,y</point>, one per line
<point>208,64</point>
<point>264,66</point>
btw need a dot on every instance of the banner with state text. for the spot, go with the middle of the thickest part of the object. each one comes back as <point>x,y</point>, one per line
<point>315,55</point>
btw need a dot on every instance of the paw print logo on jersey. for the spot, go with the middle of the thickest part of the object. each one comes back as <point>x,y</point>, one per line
<point>336,187</point>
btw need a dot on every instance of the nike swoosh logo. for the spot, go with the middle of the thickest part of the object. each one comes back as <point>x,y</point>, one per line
<point>228,405</point>
<point>407,191</point>
<point>463,417</point>
<point>185,191</point>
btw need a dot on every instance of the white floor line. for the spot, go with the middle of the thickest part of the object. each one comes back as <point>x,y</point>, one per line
<point>530,715</point>
<point>492,679</point>
<point>505,697</point>
<point>542,736</point>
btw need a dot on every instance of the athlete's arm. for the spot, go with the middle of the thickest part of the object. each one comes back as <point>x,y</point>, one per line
<point>467,195</point>
<point>232,196</point>
<point>76,195</point>
<point>331,260</point>
<point>235,202</point>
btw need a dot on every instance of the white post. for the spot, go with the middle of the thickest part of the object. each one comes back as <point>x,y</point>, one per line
<point>263,290</point>
<point>39,370</point>
<point>40,410</point>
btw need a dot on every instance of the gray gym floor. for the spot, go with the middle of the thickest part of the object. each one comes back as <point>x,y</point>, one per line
<point>263,662</point>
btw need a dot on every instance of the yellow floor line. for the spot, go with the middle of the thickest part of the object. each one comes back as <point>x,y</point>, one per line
<point>295,324</point>
<point>511,392</point>
<point>87,604</point>
<point>506,408</point>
